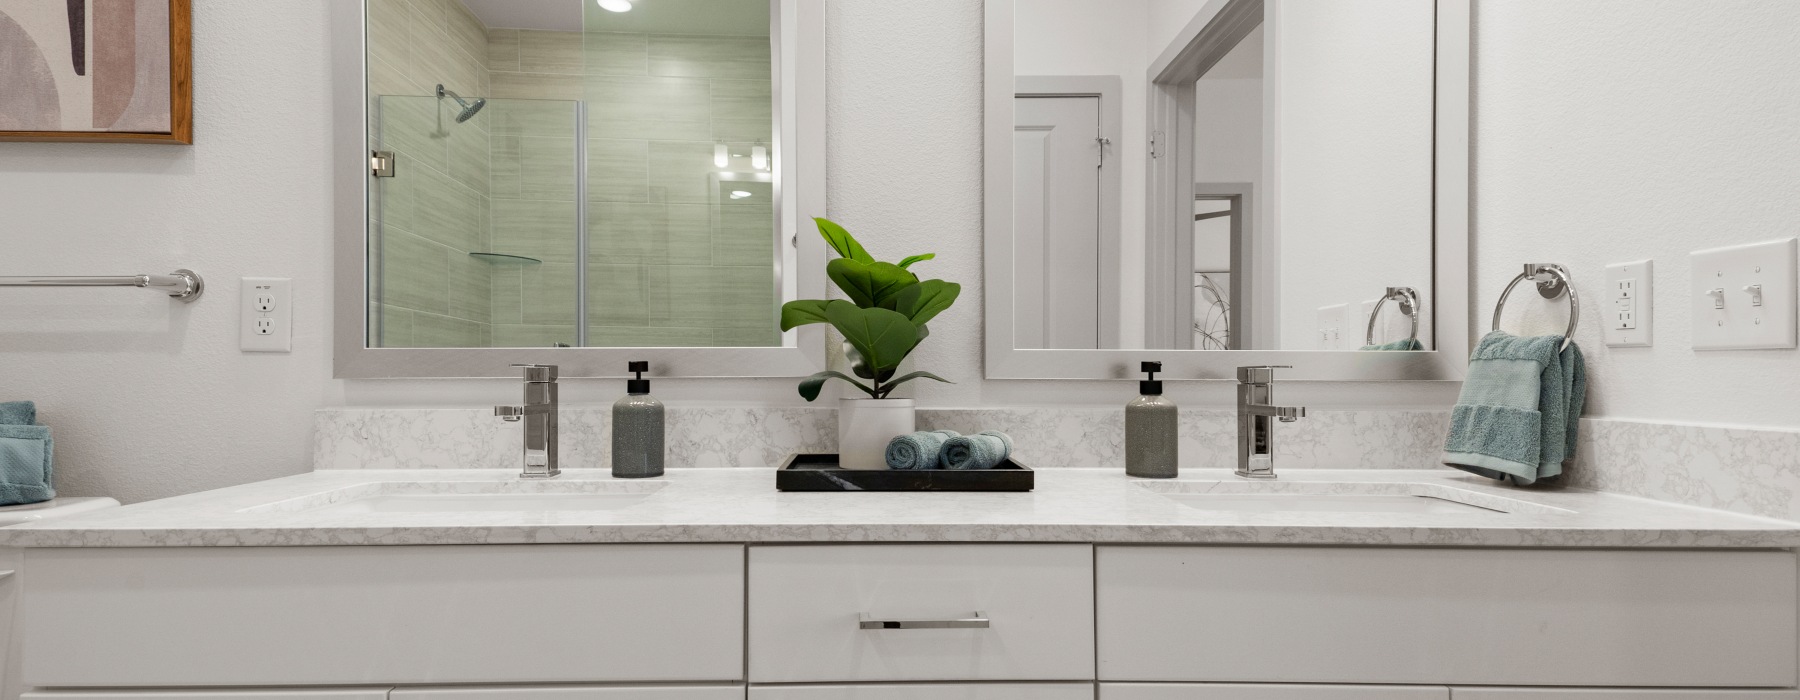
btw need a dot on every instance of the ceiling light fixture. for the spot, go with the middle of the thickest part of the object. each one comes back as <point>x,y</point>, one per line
<point>720,157</point>
<point>615,5</point>
<point>739,194</point>
<point>759,157</point>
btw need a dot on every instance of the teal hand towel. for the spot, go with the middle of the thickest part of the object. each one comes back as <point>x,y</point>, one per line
<point>983,450</point>
<point>18,413</point>
<point>1519,410</point>
<point>919,450</point>
<point>1396,346</point>
<point>25,452</point>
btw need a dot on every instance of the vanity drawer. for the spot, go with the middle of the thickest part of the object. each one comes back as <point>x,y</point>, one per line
<point>288,616</point>
<point>1447,616</point>
<point>932,691</point>
<point>806,604</point>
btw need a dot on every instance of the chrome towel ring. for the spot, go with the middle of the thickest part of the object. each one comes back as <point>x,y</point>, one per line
<point>1409,305</point>
<point>1553,281</point>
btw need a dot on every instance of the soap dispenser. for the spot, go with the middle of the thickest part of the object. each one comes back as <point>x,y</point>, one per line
<point>1151,426</point>
<point>637,429</point>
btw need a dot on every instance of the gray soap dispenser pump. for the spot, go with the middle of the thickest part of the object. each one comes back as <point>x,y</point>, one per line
<point>1151,430</point>
<point>637,429</point>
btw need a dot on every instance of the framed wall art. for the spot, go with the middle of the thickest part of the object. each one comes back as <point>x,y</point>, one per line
<point>117,71</point>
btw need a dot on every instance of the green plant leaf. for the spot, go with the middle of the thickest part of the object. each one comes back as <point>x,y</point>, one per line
<point>841,241</point>
<point>924,301</point>
<point>870,285</point>
<point>860,367</point>
<point>801,312</point>
<point>909,377</point>
<point>883,337</point>
<point>916,258</point>
<point>811,386</point>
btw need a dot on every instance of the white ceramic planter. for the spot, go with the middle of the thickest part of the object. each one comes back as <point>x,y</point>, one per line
<point>866,425</point>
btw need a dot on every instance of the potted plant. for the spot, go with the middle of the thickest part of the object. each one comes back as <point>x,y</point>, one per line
<point>882,322</point>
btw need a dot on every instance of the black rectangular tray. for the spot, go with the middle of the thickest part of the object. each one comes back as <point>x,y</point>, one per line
<point>820,472</point>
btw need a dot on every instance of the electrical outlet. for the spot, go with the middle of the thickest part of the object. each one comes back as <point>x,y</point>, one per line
<point>1627,316</point>
<point>1743,297</point>
<point>267,315</point>
<point>1331,326</point>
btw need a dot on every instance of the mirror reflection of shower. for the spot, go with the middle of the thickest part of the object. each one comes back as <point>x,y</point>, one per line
<point>468,108</point>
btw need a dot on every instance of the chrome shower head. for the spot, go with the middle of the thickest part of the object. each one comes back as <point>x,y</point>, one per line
<point>468,108</point>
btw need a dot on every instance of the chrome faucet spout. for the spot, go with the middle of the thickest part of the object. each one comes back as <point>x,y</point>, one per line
<point>1256,433</point>
<point>539,413</point>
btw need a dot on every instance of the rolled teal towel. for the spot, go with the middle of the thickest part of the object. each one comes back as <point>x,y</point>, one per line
<point>25,452</point>
<point>1520,406</point>
<point>983,450</point>
<point>18,413</point>
<point>919,450</point>
<point>1396,346</point>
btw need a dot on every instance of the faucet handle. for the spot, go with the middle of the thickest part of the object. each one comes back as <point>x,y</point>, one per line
<point>1259,374</point>
<point>510,414</point>
<point>538,374</point>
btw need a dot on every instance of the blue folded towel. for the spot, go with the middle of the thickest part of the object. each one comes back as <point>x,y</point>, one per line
<point>1519,409</point>
<point>983,450</point>
<point>919,450</point>
<point>25,452</point>
<point>1398,345</point>
<point>18,413</point>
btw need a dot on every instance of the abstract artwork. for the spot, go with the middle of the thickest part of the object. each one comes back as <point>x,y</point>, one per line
<point>96,70</point>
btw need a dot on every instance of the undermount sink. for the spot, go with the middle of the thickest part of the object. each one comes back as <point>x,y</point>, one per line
<point>1338,497</point>
<point>469,497</point>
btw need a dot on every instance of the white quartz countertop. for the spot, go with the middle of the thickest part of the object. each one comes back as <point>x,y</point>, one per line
<point>742,505</point>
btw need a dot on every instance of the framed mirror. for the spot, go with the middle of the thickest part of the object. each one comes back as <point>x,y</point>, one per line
<point>577,183</point>
<point>1221,183</point>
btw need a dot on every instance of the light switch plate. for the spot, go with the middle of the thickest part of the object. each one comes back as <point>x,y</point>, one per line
<point>1331,326</point>
<point>1743,297</point>
<point>1626,313</point>
<point>266,314</point>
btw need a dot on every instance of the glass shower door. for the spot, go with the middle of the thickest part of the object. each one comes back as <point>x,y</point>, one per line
<point>476,233</point>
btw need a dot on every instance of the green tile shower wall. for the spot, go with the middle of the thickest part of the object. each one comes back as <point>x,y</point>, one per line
<point>667,266</point>
<point>435,212</point>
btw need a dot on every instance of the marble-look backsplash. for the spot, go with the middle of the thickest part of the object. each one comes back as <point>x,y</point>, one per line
<point>394,438</point>
<point>1751,471</point>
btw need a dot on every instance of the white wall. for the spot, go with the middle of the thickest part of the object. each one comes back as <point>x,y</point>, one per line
<point>1613,130</point>
<point>1352,131</point>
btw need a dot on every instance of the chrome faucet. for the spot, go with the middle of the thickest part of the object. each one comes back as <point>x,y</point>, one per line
<point>1256,433</point>
<point>539,414</point>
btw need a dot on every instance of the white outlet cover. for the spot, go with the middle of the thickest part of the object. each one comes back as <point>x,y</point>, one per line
<point>1630,289</point>
<point>266,314</point>
<point>1740,324</point>
<point>1331,326</point>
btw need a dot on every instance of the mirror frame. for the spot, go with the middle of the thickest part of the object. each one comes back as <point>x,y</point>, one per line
<point>1449,303</point>
<point>798,153</point>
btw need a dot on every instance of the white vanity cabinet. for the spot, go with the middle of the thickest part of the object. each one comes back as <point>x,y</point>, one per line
<point>1245,691</point>
<point>574,692</point>
<point>389,615</point>
<point>1508,617</point>
<point>931,691</point>
<point>345,694</point>
<point>1010,612</point>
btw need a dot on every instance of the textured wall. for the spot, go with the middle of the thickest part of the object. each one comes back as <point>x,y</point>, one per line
<point>150,397</point>
<point>1614,130</point>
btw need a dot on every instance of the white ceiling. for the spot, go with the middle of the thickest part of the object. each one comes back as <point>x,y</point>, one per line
<point>732,17</point>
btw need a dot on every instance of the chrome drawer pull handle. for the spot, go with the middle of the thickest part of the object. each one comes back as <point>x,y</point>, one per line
<point>978,622</point>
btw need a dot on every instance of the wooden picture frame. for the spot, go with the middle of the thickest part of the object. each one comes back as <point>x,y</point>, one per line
<point>180,98</point>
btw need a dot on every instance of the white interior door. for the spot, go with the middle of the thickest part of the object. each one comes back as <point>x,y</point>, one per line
<point>1056,206</point>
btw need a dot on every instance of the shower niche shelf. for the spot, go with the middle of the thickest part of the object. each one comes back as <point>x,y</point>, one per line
<point>505,259</point>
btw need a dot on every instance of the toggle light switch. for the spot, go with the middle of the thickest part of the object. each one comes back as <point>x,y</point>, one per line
<point>1744,296</point>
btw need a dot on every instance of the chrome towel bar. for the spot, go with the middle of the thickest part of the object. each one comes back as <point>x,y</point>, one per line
<point>1553,281</point>
<point>180,284</point>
